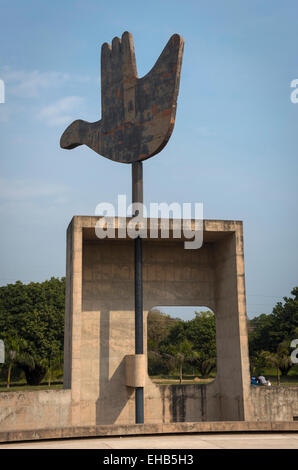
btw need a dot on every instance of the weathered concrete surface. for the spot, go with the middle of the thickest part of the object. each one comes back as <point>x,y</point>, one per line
<point>138,114</point>
<point>143,429</point>
<point>47,414</point>
<point>35,410</point>
<point>135,366</point>
<point>99,329</point>
<point>274,403</point>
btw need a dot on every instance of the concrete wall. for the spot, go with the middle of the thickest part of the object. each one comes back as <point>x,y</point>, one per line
<point>34,410</point>
<point>51,409</point>
<point>274,403</point>
<point>100,322</point>
<point>181,403</point>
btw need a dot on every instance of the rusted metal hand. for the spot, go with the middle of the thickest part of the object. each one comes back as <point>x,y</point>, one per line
<point>138,114</point>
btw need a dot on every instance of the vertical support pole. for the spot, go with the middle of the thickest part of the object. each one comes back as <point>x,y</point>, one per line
<point>137,182</point>
<point>137,196</point>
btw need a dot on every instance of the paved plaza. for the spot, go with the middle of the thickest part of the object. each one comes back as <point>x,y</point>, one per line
<point>189,441</point>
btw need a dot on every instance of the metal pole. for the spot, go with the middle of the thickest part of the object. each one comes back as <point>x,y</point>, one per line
<point>137,196</point>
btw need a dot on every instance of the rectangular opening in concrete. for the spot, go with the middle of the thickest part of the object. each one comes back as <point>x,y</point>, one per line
<point>181,345</point>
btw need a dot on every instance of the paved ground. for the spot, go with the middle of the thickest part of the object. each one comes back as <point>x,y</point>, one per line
<point>181,441</point>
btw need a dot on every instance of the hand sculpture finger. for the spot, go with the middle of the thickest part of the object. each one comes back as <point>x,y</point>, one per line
<point>129,64</point>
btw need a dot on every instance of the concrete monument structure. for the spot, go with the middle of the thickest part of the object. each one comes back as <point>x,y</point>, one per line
<point>138,116</point>
<point>100,367</point>
<point>112,283</point>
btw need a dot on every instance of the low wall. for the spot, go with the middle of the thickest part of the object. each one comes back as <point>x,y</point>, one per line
<point>44,409</point>
<point>198,403</point>
<point>177,404</point>
<point>274,403</point>
<point>35,410</point>
<point>49,409</point>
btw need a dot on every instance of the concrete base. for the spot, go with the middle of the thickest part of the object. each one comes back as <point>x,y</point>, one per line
<point>147,429</point>
<point>99,320</point>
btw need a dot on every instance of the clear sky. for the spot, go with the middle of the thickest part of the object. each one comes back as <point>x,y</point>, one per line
<point>234,145</point>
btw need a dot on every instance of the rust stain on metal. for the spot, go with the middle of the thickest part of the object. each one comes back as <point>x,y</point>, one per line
<point>154,109</point>
<point>138,114</point>
<point>166,112</point>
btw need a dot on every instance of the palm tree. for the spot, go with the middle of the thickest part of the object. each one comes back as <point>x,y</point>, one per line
<point>14,345</point>
<point>280,360</point>
<point>52,364</point>
<point>181,352</point>
<point>206,365</point>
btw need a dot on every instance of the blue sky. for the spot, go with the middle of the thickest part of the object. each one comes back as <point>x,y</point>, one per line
<point>234,146</point>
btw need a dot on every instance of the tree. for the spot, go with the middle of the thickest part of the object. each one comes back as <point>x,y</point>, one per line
<point>285,365</point>
<point>259,362</point>
<point>285,319</point>
<point>260,334</point>
<point>160,362</point>
<point>181,352</point>
<point>168,340</point>
<point>14,347</point>
<point>158,328</point>
<point>201,331</point>
<point>205,365</point>
<point>267,332</point>
<point>280,360</point>
<point>52,364</point>
<point>35,313</point>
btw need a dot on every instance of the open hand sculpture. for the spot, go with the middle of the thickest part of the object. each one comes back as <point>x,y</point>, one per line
<point>138,114</point>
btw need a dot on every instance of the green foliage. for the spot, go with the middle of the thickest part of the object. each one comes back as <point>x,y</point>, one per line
<point>280,360</point>
<point>34,313</point>
<point>182,344</point>
<point>159,364</point>
<point>204,365</point>
<point>14,349</point>
<point>258,363</point>
<point>181,352</point>
<point>273,333</point>
<point>268,331</point>
<point>202,333</point>
<point>158,325</point>
<point>53,364</point>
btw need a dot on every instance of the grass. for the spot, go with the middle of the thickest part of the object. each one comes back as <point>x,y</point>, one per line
<point>30,388</point>
<point>290,380</point>
<point>284,381</point>
<point>18,386</point>
<point>158,379</point>
<point>174,379</point>
<point>21,385</point>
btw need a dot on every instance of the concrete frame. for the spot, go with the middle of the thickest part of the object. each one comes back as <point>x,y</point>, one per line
<point>99,323</point>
